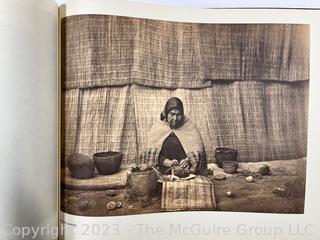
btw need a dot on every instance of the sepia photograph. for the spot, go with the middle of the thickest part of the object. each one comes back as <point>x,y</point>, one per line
<point>162,116</point>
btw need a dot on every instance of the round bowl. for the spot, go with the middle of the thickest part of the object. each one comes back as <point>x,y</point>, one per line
<point>230,166</point>
<point>107,162</point>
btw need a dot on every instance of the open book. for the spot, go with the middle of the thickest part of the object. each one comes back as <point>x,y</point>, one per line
<point>137,121</point>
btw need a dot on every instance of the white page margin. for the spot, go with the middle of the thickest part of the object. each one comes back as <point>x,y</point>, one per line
<point>28,66</point>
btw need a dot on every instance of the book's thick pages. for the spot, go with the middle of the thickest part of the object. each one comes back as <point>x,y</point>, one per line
<point>148,87</point>
<point>28,123</point>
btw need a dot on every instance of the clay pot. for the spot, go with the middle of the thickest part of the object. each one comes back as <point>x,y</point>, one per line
<point>81,166</point>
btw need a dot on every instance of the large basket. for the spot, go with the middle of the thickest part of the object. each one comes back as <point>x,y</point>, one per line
<point>143,183</point>
<point>222,154</point>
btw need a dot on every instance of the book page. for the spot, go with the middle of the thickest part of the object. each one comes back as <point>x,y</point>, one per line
<point>28,95</point>
<point>189,121</point>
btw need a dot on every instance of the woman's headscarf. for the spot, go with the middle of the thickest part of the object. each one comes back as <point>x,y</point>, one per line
<point>172,102</point>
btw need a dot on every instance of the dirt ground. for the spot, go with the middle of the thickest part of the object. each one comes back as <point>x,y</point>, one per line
<point>257,196</point>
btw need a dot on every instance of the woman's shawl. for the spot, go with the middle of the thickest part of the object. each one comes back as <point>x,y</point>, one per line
<point>189,136</point>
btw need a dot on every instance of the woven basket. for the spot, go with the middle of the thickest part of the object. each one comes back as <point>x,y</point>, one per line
<point>222,154</point>
<point>107,162</point>
<point>143,183</point>
<point>230,166</point>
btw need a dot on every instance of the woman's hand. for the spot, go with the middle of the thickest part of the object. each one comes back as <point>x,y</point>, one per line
<point>170,163</point>
<point>174,162</point>
<point>184,163</point>
<point>193,170</point>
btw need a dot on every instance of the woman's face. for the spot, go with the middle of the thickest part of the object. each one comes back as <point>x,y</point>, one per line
<point>175,118</point>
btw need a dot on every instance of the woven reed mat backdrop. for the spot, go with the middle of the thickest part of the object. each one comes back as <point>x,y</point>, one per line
<point>245,86</point>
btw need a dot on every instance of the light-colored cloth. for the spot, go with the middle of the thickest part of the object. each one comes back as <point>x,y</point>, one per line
<point>189,136</point>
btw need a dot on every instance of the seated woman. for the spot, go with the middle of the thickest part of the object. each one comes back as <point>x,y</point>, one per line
<point>175,140</point>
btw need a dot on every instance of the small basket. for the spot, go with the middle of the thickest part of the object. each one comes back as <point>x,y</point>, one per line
<point>230,166</point>
<point>143,183</point>
<point>222,154</point>
<point>107,162</point>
